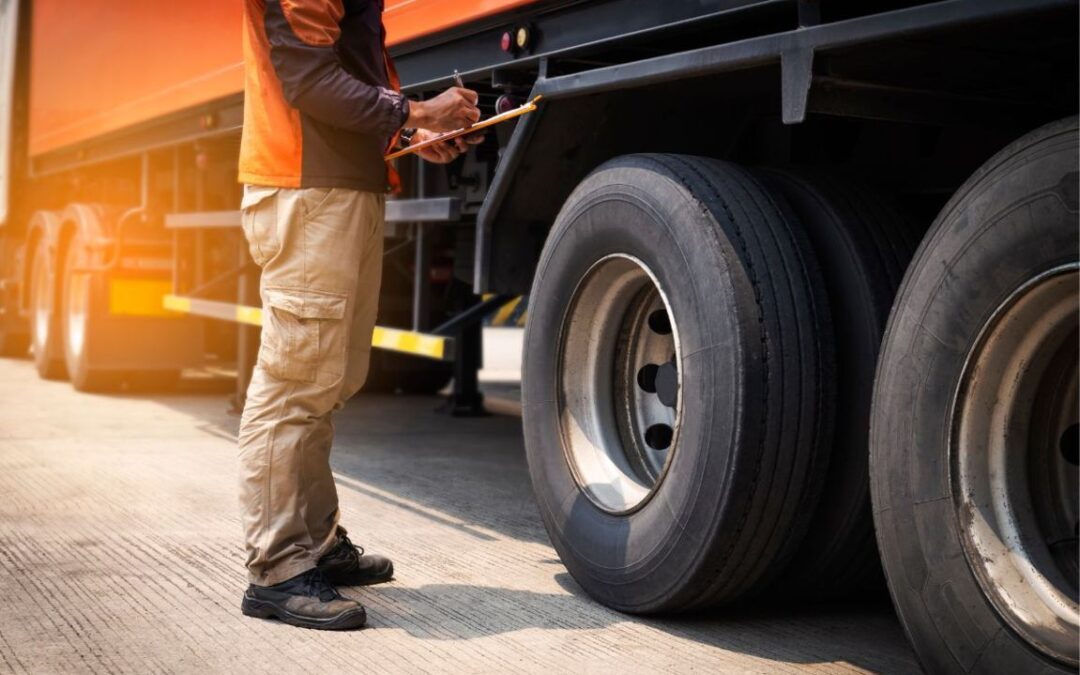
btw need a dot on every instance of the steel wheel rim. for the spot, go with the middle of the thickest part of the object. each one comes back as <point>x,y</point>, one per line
<point>42,309</point>
<point>619,382</point>
<point>78,299</point>
<point>1014,479</point>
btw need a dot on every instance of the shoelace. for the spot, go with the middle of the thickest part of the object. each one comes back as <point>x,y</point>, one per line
<point>358,550</point>
<point>315,585</point>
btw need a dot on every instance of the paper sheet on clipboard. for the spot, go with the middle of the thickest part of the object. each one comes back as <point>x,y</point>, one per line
<point>482,124</point>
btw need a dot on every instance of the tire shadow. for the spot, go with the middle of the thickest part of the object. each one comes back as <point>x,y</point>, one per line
<point>863,634</point>
<point>471,475</point>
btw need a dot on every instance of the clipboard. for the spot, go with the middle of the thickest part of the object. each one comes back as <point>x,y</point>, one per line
<point>482,124</point>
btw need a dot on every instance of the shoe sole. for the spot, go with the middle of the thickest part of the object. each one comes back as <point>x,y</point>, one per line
<point>350,620</point>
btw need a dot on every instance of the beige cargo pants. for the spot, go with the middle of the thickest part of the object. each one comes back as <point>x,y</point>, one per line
<point>320,250</point>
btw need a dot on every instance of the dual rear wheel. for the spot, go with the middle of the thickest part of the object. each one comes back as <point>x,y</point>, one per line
<point>61,314</point>
<point>72,334</point>
<point>699,383</point>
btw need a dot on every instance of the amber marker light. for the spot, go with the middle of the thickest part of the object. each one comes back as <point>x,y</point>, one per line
<point>521,37</point>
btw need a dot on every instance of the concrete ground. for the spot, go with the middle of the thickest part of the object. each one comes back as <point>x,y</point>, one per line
<point>120,552</point>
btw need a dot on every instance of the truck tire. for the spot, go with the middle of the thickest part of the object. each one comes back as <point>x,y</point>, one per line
<point>974,422</point>
<point>863,246</point>
<point>676,383</point>
<point>79,320</point>
<point>45,329</point>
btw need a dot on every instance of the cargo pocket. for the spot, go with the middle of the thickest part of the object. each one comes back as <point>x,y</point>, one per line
<point>303,334</point>
<point>258,217</point>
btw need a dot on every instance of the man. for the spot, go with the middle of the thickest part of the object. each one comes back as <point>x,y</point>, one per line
<point>321,107</point>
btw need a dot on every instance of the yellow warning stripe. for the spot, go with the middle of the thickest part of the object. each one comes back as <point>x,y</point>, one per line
<point>409,342</point>
<point>431,346</point>
<point>176,303</point>
<point>249,315</point>
<point>502,317</point>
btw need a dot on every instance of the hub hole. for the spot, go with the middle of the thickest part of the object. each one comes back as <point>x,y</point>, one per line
<point>646,377</point>
<point>659,322</point>
<point>1070,444</point>
<point>658,436</point>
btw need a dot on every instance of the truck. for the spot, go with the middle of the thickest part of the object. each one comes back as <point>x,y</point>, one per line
<point>801,276</point>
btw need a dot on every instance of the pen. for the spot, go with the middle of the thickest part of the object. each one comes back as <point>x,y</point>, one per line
<point>458,81</point>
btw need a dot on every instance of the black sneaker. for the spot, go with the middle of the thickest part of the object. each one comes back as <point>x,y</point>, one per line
<point>306,600</point>
<point>346,565</point>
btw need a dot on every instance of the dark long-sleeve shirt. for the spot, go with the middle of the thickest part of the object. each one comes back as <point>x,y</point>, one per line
<point>319,105</point>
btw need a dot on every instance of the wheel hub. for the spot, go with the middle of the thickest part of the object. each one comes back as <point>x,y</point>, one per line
<point>619,383</point>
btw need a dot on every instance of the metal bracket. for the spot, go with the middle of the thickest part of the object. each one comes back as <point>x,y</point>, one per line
<point>796,76</point>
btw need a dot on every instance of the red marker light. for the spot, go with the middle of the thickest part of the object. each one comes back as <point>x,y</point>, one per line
<point>507,42</point>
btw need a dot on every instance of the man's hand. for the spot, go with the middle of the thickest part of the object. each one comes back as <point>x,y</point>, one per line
<point>453,109</point>
<point>447,151</point>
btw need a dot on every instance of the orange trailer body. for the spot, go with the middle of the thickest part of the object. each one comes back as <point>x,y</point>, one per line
<point>97,67</point>
<point>409,19</point>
